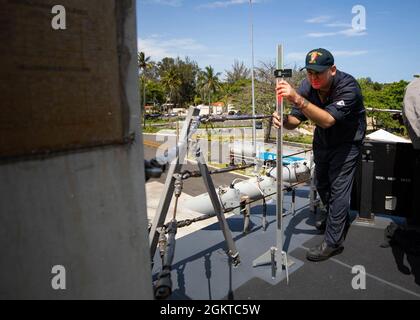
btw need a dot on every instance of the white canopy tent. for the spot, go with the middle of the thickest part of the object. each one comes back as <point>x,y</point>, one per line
<point>385,136</point>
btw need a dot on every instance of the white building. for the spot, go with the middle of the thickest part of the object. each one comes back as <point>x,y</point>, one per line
<point>205,110</point>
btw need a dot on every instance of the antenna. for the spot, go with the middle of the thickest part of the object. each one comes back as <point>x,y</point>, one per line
<point>254,127</point>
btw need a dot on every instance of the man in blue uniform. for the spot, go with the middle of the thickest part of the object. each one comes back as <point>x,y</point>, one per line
<point>333,101</point>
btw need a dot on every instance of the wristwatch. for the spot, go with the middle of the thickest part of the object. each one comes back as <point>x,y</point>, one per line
<point>305,104</point>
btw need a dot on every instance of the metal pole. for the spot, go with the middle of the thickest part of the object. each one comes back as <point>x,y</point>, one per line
<point>280,257</point>
<point>384,110</point>
<point>177,131</point>
<point>312,194</point>
<point>279,160</point>
<point>254,127</point>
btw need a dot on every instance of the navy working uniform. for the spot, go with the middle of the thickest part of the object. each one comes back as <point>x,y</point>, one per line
<point>337,149</point>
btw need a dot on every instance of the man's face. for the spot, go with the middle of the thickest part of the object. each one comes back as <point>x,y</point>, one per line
<point>321,80</point>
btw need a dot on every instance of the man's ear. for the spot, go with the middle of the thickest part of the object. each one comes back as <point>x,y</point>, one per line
<point>333,70</point>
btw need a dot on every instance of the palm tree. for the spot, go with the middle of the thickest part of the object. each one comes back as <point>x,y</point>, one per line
<point>227,92</point>
<point>143,64</point>
<point>143,61</point>
<point>200,85</point>
<point>239,72</point>
<point>171,81</point>
<point>210,83</point>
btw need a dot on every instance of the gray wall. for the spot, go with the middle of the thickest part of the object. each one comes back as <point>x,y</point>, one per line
<point>83,210</point>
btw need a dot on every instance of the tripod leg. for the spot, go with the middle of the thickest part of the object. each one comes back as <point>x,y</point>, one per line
<point>232,251</point>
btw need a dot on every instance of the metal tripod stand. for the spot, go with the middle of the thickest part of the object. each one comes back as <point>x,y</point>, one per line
<point>276,256</point>
<point>168,191</point>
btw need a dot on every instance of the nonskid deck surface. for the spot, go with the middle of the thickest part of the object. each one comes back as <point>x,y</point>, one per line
<point>201,269</point>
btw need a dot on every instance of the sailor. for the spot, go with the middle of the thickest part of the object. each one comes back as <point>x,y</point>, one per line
<point>333,101</point>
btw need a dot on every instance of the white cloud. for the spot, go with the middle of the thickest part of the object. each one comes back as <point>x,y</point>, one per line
<point>321,34</point>
<point>338,25</point>
<point>172,3</point>
<point>319,19</point>
<point>327,21</point>
<point>347,32</point>
<point>158,47</point>
<point>224,4</point>
<point>353,32</point>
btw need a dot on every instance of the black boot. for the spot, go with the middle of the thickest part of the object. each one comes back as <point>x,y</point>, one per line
<point>322,252</point>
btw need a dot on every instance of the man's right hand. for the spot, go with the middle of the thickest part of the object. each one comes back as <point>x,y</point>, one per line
<point>276,120</point>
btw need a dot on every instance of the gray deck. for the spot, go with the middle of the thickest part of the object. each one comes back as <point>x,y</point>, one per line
<point>201,270</point>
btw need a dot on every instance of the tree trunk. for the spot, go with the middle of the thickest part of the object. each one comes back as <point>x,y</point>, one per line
<point>144,93</point>
<point>144,102</point>
<point>142,111</point>
<point>210,107</point>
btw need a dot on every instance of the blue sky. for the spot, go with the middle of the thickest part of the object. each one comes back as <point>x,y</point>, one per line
<point>216,32</point>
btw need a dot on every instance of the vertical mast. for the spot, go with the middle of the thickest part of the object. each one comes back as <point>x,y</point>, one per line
<point>254,130</point>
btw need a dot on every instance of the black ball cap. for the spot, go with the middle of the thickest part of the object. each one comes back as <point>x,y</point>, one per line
<point>319,60</point>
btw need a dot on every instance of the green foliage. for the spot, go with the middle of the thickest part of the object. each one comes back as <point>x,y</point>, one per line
<point>241,98</point>
<point>155,92</point>
<point>188,71</point>
<point>265,87</point>
<point>384,96</point>
<point>176,78</point>
<point>142,60</point>
<point>151,129</point>
<point>172,82</point>
<point>179,79</point>
<point>304,139</point>
<point>239,72</point>
<point>197,100</point>
<point>209,83</point>
<point>226,93</point>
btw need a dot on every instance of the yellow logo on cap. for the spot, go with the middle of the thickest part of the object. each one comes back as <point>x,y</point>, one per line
<point>314,56</point>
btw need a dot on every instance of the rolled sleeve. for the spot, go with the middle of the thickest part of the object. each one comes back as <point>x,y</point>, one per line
<point>298,114</point>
